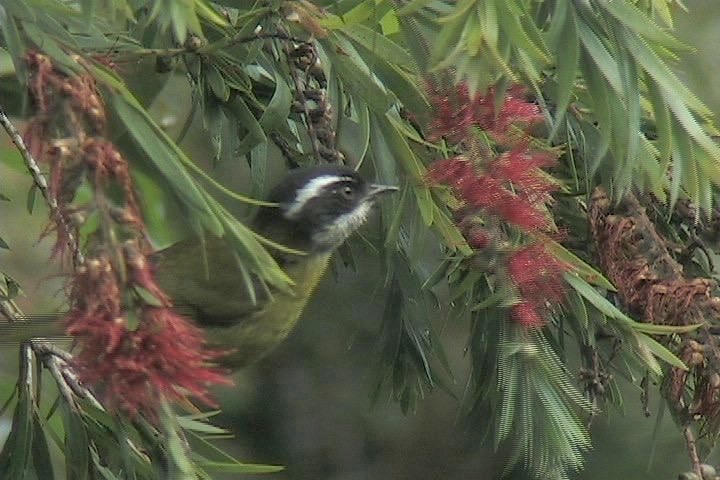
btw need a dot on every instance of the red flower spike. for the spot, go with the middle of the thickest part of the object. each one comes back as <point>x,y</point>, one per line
<point>521,212</point>
<point>455,113</point>
<point>131,369</point>
<point>538,275</point>
<point>526,315</point>
<point>163,357</point>
<point>488,191</point>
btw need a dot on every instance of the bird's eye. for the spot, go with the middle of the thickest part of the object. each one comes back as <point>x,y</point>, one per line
<point>347,192</point>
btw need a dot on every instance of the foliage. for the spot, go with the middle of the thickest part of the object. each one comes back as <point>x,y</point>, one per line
<point>497,119</point>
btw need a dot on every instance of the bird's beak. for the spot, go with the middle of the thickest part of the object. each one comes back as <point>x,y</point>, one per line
<point>377,190</point>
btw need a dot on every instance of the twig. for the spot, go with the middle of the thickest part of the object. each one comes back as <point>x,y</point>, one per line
<point>692,450</point>
<point>9,311</point>
<point>209,48</point>
<point>42,185</point>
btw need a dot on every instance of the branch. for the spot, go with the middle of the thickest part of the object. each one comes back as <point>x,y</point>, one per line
<point>42,185</point>
<point>692,450</point>
<point>190,47</point>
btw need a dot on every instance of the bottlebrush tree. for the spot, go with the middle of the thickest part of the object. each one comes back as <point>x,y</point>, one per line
<point>546,149</point>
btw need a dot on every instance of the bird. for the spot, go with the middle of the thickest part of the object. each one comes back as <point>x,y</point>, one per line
<point>314,210</point>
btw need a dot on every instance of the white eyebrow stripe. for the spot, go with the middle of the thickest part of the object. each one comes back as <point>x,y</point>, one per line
<point>311,190</point>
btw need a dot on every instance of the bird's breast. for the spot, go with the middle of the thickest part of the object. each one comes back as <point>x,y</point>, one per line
<point>255,335</point>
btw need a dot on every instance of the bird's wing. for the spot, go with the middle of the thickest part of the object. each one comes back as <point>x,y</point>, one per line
<point>205,282</point>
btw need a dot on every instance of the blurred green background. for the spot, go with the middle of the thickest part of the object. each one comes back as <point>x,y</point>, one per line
<point>308,406</point>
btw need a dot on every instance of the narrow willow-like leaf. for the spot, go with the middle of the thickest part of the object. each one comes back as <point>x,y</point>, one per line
<point>602,59</point>
<point>596,299</point>
<point>530,378</point>
<point>522,32</point>
<point>599,91</point>
<point>663,123</point>
<point>165,155</point>
<point>661,73</point>
<point>661,352</point>
<point>14,45</point>
<point>380,45</point>
<point>354,73</point>
<point>16,455</point>
<point>413,6</point>
<point>579,267</point>
<point>636,20</point>
<point>567,68</point>
<point>278,109</point>
<point>255,133</point>
<point>41,460</point>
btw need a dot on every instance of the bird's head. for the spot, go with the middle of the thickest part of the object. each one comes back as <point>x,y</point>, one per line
<point>319,207</point>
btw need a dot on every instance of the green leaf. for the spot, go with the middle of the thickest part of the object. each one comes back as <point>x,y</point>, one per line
<point>41,461</point>
<point>404,86</point>
<point>413,6</point>
<point>637,21</point>
<point>663,124</point>
<point>178,462</point>
<point>255,134</point>
<point>215,80</point>
<point>579,267</point>
<point>567,67</point>
<point>247,244</point>
<point>380,45</point>
<point>31,197</point>
<point>229,467</point>
<point>16,453</point>
<point>278,109</point>
<point>661,352</point>
<point>595,299</point>
<point>654,329</point>
<point>20,10</point>
<point>602,59</point>
<point>45,43</point>
<point>523,32</point>
<point>354,73</point>
<point>662,74</point>
<point>167,157</point>
<point>15,46</point>
<point>77,444</point>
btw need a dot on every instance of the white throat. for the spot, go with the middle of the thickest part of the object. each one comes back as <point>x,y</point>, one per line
<point>333,235</point>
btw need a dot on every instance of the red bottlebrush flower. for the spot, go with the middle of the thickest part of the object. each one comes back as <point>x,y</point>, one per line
<point>521,212</point>
<point>454,113</point>
<point>538,276</point>
<point>526,315</point>
<point>488,191</point>
<point>165,355</point>
<point>521,167</point>
<point>448,170</point>
<point>515,111</point>
<point>96,315</point>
